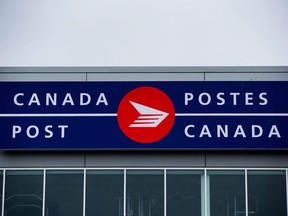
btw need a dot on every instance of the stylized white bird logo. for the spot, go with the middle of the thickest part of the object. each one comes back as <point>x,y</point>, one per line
<point>149,117</point>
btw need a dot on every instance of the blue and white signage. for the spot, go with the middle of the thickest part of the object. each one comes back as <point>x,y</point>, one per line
<point>143,115</point>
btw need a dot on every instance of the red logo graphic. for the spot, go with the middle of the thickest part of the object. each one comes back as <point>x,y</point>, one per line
<point>146,115</point>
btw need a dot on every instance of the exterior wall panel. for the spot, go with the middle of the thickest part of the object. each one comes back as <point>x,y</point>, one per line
<point>42,77</point>
<point>145,158</point>
<point>247,159</point>
<point>41,159</point>
<point>145,77</point>
<point>246,77</point>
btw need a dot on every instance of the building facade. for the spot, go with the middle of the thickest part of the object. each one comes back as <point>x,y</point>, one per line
<point>205,182</point>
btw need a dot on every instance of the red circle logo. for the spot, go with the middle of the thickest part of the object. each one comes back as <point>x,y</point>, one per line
<point>146,114</point>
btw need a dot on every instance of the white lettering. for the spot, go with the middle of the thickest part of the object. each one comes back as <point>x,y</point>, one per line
<point>239,131</point>
<point>68,99</point>
<point>48,131</point>
<point>33,131</point>
<point>274,132</point>
<point>205,131</point>
<point>82,97</point>
<point>16,102</point>
<point>34,99</point>
<point>102,99</point>
<point>28,131</point>
<point>221,100</point>
<point>50,99</point>
<point>62,127</point>
<point>16,130</point>
<point>186,131</point>
<point>222,131</point>
<point>249,98</point>
<point>188,97</point>
<point>264,100</point>
<point>260,131</point>
<point>234,95</point>
<point>208,100</point>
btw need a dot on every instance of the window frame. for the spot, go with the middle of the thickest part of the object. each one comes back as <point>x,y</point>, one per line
<point>164,169</point>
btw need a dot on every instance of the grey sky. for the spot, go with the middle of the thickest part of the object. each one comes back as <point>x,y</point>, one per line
<point>143,32</point>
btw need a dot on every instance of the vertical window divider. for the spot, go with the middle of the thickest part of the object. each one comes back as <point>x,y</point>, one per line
<point>205,194</point>
<point>165,192</point>
<point>202,194</point>
<point>84,192</point>
<point>3,192</point>
<point>124,193</point>
<point>287,190</point>
<point>44,192</point>
<point>246,193</point>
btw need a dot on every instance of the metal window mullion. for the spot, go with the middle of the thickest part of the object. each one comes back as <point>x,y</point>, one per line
<point>3,192</point>
<point>287,191</point>
<point>165,192</point>
<point>205,194</point>
<point>84,192</point>
<point>202,195</point>
<point>44,193</point>
<point>124,193</point>
<point>246,193</point>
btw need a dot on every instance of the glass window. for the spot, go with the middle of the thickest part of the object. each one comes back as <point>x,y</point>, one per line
<point>23,193</point>
<point>226,193</point>
<point>185,191</point>
<point>1,189</point>
<point>104,192</point>
<point>64,193</point>
<point>267,193</point>
<point>145,193</point>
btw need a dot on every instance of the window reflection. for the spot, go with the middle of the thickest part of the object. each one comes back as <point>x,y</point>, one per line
<point>145,193</point>
<point>226,193</point>
<point>184,195</point>
<point>104,192</point>
<point>64,193</point>
<point>23,193</point>
<point>267,193</point>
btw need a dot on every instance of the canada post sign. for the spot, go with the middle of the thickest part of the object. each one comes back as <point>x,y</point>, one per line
<point>143,115</point>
